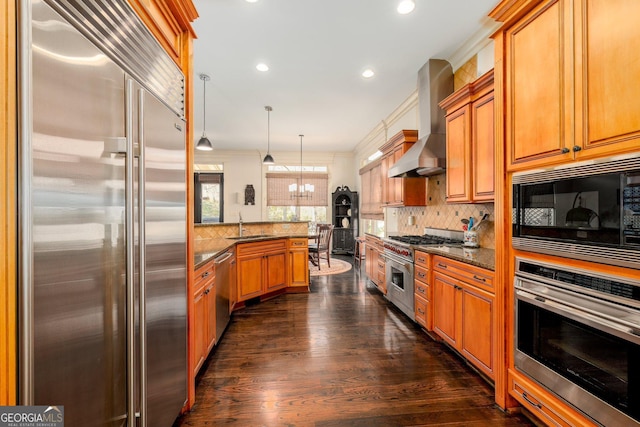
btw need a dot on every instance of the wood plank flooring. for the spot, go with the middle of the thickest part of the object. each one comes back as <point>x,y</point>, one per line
<point>338,356</point>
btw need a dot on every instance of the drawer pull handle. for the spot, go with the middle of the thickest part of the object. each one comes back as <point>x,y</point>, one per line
<point>205,274</point>
<point>422,260</point>
<point>421,290</point>
<point>526,397</point>
<point>482,279</point>
<point>422,275</point>
<point>442,265</point>
<point>420,312</point>
<point>457,288</point>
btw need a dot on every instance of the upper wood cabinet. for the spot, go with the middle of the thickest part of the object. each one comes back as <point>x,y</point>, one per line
<point>170,21</point>
<point>371,191</point>
<point>569,82</point>
<point>398,192</point>
<point>470,142</point>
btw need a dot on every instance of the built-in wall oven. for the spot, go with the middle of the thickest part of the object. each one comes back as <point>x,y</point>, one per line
<point>588,210</point>
<point>577,333</point>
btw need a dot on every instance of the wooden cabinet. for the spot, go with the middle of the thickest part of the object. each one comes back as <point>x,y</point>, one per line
<point>569,83</point>
<point>298,263</point>
<point>398,192</point>
<point>422,290</point>
<point>261,268</point>
<point>371,194</point>
<point>345,220</point>
<point>374,263</point>
<point>463,311</point>
<point>204,314</point>
<point>470,142</point>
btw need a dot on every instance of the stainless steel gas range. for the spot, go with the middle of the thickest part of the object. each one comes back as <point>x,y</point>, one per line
<point>399,256</point>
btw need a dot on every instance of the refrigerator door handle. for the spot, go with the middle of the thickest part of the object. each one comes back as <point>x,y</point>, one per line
<point>130,255</point>
<point>142,261</point>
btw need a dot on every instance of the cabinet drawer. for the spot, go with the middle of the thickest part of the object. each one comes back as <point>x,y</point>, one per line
<point>421,274</point>
<point>476,276</point>
<point>422,290</point>
<point>421,311</point>
<point>536,403</point>
<point>203,276</point>
<point>262,247</point>
<point>422,259</point>
<point>298,243</point>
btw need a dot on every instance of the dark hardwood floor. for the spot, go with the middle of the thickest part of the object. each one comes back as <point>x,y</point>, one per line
<point>338,356</point>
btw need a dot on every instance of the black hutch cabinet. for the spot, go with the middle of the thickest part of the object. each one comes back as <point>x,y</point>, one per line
<point>345,220</point>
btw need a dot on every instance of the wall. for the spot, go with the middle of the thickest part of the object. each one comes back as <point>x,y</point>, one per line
<point>245,167</point>
<point>443,215</point>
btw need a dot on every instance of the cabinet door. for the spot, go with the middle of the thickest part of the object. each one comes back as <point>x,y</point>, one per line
<point>539,94</point>
<point>482,125</point>
<point>299,267</point>
<point>200,328</point>
<point>446,310</point>
<point>477,328</point>
<point>608,94</point>
<point>376,189</point>
<point>249,277</point>
<point>365,200</point>
<point>459,155</point>
<point>210,303</point>
<point>275,271</point>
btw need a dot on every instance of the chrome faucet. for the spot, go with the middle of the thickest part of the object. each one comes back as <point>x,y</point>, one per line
<point>240,229</point>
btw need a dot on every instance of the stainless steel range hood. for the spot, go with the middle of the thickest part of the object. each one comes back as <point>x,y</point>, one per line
<point>427,156</point>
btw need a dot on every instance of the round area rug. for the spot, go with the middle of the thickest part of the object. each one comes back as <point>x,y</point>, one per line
<point>337,266</point>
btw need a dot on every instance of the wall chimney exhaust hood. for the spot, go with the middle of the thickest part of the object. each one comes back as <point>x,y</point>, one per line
<point>427,156</point>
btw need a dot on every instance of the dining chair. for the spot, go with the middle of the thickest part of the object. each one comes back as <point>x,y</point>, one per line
<point>321,245</point>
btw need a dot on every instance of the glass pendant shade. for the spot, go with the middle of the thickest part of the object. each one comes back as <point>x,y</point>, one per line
<point>204,144</point>
<point>268,159</point>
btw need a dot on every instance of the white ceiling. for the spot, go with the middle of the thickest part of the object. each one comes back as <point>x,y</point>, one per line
<point>316,51</point>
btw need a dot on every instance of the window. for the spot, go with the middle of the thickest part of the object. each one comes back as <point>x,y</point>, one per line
<point>209,203</point>
<point>301,196</point>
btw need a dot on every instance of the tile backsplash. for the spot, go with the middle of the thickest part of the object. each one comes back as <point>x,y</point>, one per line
<point>439,214</point>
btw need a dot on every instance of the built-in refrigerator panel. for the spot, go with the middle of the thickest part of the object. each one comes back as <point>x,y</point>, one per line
<point>164,158</point>
<point>77,225</point>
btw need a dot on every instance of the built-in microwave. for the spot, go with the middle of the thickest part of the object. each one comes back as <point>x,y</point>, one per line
<point>587,210</point>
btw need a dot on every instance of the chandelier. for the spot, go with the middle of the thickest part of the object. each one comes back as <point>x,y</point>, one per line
<point>301,191</point>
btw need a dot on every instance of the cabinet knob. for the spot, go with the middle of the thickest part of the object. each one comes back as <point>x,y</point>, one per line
<point>576,148</point>
<point>565,150</point>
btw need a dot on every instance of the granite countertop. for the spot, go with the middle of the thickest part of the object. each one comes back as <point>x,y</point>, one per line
<point>206,249</point>
<point>480,257</point>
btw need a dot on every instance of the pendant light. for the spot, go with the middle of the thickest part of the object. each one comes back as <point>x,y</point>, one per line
<point>204,144</point>
<point>268,159</point>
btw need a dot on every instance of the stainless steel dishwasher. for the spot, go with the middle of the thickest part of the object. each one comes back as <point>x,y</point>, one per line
<point>223,291</point>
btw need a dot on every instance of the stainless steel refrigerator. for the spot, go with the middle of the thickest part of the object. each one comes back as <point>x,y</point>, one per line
<point>103,218</point>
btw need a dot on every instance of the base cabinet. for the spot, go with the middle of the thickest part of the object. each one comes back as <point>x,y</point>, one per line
<point>261,268</point>
<point>422,290</point>
<point>374,263</point>
<point>298,263</point>
<point>463,311</point>
<point>204,318</point>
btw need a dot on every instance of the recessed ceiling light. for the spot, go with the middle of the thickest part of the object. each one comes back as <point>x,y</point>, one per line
<point>406,6</point>
<point>368,73</point>
<point>262,67</point>
<point>252,1</point>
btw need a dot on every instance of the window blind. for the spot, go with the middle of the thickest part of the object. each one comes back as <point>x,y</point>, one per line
<point>279,183</point>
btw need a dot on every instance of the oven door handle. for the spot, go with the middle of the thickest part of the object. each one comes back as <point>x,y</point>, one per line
<point>622,331</point>
<point>406,265</point>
